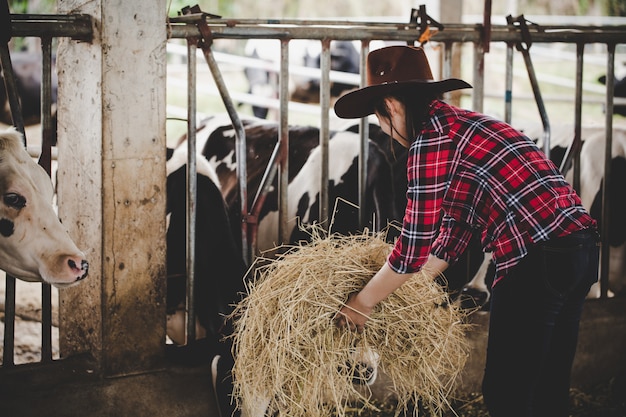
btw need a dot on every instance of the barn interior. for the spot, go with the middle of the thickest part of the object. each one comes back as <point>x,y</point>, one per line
<point>103,343</point>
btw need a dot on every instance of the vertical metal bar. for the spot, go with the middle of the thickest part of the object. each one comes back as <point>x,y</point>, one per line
<point>46,152</point>
<point>16,114</point>
<point>508,93</point>
<point>479,82</point>
<point>447,65</point>
<point>240,148</point>
<point>45,159</point>
<point>486,25</point>
<point>534,83</point>
<point>11,89</point>
<point>447,60</point>
<point>240,135</point>
<point>364,138</point>
<point>192,184</point>
<point>283,132</point>
<point>580,50</point>
<point>606,184</point>
<point>9,323</point>
<point>324,134</point>
<point>572,155</point>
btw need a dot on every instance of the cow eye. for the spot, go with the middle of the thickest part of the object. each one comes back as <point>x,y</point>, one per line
<point>14,200</point>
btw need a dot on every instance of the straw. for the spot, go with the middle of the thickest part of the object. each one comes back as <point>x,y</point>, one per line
<point>291,358</point>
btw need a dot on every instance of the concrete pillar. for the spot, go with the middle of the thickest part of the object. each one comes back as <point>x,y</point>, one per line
<point>111,191</point>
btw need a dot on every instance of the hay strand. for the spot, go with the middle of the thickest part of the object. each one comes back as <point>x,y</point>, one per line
<point>290,355</point>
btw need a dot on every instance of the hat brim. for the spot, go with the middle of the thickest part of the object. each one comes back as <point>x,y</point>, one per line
<point>360,103</point>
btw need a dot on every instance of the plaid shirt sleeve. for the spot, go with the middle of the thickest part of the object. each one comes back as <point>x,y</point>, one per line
<point>428,166</point>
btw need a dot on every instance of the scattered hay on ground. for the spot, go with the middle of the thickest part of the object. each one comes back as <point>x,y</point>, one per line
<point>290,355</point>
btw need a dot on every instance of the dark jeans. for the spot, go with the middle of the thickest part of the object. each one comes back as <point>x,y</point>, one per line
<point>533,327</point>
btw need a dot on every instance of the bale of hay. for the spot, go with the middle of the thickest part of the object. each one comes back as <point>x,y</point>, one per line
<point>292,358</point>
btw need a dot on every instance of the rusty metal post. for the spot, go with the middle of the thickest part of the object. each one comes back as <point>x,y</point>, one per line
<point>364,130</point>
<point>324,134</point>
<point>283,134</point>
<point>191,195</point>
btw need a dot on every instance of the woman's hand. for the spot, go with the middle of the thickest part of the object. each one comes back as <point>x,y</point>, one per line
<point>353,314</point>
<point>357,310</point>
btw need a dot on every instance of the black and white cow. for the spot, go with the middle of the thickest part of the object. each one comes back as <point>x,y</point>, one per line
<point>34,245</point>
<point>27,69</point>
<point>344,57</point>
<point>219,265</point>
<point>215,137</point>
<point>386,181</point>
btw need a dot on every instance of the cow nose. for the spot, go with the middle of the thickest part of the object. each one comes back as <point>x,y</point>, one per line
<point>84,268</point>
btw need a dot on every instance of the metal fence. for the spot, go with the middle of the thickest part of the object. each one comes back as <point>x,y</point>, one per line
<point>200,30</point>
<point>45,28</point>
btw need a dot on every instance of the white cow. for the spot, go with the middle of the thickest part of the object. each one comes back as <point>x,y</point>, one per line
<point>34,245</point>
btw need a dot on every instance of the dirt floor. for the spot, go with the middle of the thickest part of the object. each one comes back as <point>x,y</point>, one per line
<point>603,400</point>
<point>607,399</point>
<point>27,321</point>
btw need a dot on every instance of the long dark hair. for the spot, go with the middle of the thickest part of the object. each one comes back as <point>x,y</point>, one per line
<point>417,106</point>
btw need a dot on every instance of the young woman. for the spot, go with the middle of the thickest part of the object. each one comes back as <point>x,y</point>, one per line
<point>471,174</point>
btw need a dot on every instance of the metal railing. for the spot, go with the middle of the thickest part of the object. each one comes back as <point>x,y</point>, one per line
<point>325,31</point>
<point>47,27</point>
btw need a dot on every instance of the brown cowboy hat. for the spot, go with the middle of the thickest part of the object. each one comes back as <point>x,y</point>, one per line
<point>392,69</point>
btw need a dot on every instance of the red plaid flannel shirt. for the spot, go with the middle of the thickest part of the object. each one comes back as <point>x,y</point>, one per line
<point>468,173</point>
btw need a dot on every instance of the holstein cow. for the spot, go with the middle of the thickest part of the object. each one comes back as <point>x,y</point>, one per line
<point>219,266</point>
<point>385,185</point>
<point>34,245</point>
<point>215,138</point>
<point>591,186</point>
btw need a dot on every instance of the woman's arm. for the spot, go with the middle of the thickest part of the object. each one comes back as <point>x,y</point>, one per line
<point>355,313</point>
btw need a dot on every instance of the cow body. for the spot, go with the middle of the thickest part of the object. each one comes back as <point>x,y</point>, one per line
<point>219,266</point>
<point>386,182</point>
<point>34,245</point>
<point>216,139</point>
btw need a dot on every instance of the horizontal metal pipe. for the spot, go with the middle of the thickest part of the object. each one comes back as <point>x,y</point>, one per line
<point>75,26</point>
<point>236,29</point>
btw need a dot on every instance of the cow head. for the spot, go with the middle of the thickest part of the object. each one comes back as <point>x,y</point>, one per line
<point>34,245</point>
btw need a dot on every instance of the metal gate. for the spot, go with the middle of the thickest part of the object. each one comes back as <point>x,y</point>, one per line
<point>197,27</point>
